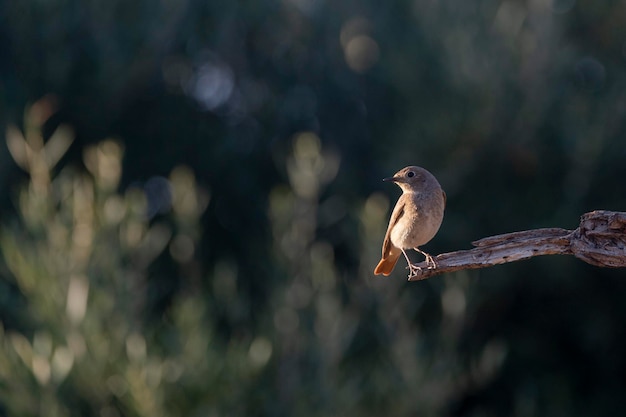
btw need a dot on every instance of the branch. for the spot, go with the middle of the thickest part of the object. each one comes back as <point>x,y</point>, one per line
<point>600,240</point>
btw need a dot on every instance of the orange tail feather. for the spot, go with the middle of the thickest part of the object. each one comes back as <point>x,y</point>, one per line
<point>386,265</point>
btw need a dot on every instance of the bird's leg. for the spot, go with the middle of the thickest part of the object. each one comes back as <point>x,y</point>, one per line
<point>430,262</point>
<point>414,270</point>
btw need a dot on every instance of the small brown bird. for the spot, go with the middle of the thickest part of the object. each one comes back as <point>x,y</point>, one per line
<point>415,219</point>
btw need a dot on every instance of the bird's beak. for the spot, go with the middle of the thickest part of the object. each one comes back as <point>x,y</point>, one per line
<point>393,179</point>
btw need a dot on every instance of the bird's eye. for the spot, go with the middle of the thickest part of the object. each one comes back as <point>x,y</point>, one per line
<point>410,174</point>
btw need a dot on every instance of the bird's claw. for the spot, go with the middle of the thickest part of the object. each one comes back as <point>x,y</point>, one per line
<point>414,270</point>
<point>430,262</point>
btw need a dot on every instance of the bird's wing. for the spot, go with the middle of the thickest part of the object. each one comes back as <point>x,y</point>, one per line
<point>445,197</point>
<point>396,215</point>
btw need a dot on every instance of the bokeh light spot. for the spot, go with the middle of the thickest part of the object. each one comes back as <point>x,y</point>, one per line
<point>77,293</point>
<point>182,248</point>
<point>361,53</point>
<point>41,369</point>
<point>360,49</point>
<point>306,165</point>
<point>135,347</point>
<point>114,210</point>
<point>211,84</point>
<point>62,362</point>
<point>453,301</point>
<point>306,146</point>
<point>260,351</point>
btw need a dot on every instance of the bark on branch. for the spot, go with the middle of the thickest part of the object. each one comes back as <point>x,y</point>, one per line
<point>600,240</point>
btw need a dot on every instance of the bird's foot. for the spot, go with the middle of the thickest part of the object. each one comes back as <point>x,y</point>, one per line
<point>430,261</point>
<point>414,270</point>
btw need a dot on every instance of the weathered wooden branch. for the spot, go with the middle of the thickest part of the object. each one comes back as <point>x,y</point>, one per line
<point>600,240</point>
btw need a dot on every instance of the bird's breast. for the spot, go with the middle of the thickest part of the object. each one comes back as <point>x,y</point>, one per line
<point>420,222</point>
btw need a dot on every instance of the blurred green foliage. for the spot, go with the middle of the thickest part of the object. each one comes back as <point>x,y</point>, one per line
<point>216,258</point>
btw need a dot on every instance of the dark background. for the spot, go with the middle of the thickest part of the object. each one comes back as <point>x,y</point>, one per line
<point>289,113</point>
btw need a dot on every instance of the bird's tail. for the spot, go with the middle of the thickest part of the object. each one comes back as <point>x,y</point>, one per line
<point>386,265</point>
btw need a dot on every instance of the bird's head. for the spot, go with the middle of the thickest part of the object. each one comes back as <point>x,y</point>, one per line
<point>412,179</point>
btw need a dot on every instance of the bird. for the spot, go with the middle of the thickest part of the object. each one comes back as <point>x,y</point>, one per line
<point>415,219</point>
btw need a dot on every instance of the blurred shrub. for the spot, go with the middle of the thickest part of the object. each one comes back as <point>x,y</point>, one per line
<point>80,256</point>
<point>84,338</point>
